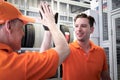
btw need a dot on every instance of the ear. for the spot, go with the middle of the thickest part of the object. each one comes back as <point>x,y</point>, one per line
<point>7,27</point>
<point>92,29</point>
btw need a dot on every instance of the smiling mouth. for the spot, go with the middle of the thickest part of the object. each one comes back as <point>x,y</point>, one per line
<point>80,34</point>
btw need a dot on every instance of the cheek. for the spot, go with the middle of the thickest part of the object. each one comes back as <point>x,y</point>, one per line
<point>76,30</point>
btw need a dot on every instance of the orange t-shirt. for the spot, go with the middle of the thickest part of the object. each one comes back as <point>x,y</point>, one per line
<point>82,66</point>
<point>27,66</point>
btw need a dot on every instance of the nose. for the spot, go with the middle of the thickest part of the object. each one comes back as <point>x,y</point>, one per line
<point>79,28</point>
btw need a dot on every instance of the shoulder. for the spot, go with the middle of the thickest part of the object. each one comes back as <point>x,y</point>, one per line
<point>96,47</point>
<point>46,56</point>
<point>47,62</point>
<point>74,44</point>
<point>73,47</point>
<point>100,50</point>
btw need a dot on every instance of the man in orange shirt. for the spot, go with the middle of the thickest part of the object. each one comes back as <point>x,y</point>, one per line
<point>30,65</point>
<point>86,61</point>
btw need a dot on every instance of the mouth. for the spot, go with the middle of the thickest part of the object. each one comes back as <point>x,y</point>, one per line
<point>79,34</point>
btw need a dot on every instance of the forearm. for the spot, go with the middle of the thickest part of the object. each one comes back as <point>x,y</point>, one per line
<point>61,44</point>
<point>105,75</point>
<point>46,43</point>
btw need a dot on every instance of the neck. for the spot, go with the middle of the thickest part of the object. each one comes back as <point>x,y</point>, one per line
<point>85,45</point>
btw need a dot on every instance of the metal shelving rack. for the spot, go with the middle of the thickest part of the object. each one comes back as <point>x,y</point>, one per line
<point>67,9</point>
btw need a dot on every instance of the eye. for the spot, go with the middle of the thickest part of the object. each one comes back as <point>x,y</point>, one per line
<point>83,25</point>
<point>76,26</point>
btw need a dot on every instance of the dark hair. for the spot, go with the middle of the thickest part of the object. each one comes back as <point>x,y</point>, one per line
<point>83,15</point>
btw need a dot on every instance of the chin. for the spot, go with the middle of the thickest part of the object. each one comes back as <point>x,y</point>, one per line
<point>81,40</point>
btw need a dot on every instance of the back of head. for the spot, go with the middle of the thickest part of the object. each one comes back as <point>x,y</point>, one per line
<point>83,15</point>
<point>11,21</point>
<point>10,12</point>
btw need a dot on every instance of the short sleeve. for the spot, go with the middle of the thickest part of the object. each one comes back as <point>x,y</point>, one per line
<point>40,66</point>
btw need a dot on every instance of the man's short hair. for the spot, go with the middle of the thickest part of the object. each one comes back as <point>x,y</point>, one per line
<point>83,15</point>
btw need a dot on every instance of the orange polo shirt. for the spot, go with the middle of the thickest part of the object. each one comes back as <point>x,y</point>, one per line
<point>27,66</point>
<point>82,66</point>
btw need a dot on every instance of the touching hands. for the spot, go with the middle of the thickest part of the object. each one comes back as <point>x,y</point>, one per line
<point>47,16</point>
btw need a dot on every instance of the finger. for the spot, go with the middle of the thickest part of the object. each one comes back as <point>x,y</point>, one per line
<point>50,9</point>
<point>41,11</point>
<point>47,7</point>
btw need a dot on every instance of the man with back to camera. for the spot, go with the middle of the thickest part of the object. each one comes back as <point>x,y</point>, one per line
<point>86,61</point>
<point>30,65</point>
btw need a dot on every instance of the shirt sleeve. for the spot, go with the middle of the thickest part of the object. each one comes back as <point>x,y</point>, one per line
<point>40,66</point>
<point>105,65</point>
